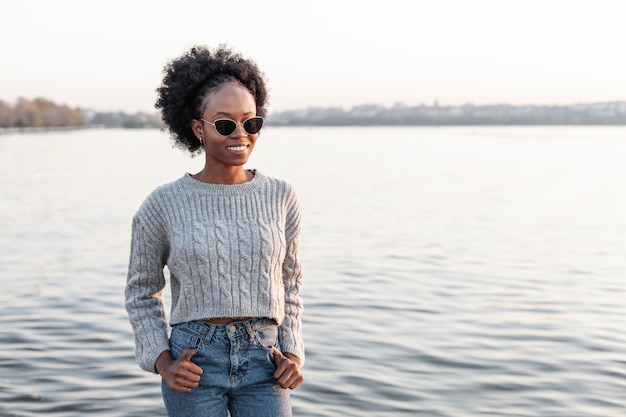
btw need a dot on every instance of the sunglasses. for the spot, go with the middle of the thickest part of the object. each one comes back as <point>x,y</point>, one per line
<point>226,127</point>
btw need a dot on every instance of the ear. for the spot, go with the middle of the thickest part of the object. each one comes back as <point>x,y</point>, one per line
<point>196,126</point>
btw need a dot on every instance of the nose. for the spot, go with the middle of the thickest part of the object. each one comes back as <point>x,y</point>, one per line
<point>239,130</point>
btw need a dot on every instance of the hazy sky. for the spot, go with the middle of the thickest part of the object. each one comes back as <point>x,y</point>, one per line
<point>109,55</point>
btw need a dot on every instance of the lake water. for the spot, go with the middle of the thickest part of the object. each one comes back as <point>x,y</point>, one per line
<point>468,271</point>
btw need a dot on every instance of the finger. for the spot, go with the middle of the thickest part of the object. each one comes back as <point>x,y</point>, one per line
<point>287,372</point>
<point>182,389</point>
<point>187,354</point>
<point>278,356</point>
<point>185,359</point>
<point>294,382</point>
<point>280,362</point>
<point>285,376</point>
<point>186,383</point>
<point>291,381</point>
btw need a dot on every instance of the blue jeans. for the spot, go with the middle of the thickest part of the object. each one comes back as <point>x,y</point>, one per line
<point>238,370</point>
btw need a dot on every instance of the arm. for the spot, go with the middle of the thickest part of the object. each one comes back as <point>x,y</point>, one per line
<point>144,287</point>
<point>290,332</point>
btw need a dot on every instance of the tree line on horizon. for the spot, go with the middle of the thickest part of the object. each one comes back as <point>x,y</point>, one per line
<point>603,113</point>
<point>39,112</point>
<point>44,113</point>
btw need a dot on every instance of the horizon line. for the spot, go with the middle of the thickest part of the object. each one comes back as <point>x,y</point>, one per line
<point>396,104</point>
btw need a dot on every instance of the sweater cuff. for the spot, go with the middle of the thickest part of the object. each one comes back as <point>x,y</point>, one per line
<point>294,350</point>
<point>291,342</point>
<point>147,360</point>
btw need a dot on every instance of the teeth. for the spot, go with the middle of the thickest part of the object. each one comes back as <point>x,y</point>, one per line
<point>237,148</point>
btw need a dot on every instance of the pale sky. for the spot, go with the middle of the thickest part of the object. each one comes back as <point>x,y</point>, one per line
<point>109,55</point>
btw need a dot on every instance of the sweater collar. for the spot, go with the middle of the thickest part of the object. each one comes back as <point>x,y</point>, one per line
<point>224,190</point>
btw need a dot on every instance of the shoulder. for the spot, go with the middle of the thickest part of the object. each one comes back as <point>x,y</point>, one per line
<point>161,197</point>
<point>284,195</point>
<point>279,185</point>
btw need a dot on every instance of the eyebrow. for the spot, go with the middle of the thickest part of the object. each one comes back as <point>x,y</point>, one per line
<point>223,113</point>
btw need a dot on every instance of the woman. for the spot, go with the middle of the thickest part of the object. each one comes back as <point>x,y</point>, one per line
<point>230,238</point>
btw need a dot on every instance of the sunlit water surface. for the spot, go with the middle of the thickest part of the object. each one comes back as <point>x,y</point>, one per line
<point>448,271</point>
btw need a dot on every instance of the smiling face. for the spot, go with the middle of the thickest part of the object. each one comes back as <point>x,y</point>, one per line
<point>235,102</point>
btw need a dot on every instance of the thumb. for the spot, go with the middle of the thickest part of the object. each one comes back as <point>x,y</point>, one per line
<point>187,354</point>
<point>278,355</point>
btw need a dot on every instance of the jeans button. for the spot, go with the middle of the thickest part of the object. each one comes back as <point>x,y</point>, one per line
<point>233,329</point>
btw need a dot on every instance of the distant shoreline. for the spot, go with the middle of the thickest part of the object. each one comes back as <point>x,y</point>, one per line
<point>591,114</point>
<point>38,111</point>
<point>44,130</point>
<point>40,129</point>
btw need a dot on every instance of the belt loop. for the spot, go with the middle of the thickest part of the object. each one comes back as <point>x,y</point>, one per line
<point>248,325</point>
<point>209,334</point>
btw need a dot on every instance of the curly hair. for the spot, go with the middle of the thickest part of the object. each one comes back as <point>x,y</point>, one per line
<point>193,76</point>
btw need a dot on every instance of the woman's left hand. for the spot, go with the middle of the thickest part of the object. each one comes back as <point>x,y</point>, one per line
<point>287,372</point>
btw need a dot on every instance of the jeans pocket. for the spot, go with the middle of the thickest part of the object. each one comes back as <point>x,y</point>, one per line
<point>266,336</point>
<point>183,338</point>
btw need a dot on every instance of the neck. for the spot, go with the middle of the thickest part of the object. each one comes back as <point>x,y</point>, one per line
<point>235,175</point>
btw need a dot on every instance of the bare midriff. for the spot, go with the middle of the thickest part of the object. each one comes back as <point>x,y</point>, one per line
<point>226,320</point>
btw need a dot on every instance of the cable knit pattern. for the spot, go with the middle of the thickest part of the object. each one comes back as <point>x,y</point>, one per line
<point>231,250</point>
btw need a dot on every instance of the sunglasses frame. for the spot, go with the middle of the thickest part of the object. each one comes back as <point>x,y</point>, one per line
<point>236,123</point>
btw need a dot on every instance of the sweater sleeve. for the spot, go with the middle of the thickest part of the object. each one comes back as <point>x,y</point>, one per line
<point>290,331</point>
<point>144,294</point>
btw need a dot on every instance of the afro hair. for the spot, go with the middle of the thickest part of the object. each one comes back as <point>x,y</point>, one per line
<point>190,78</point>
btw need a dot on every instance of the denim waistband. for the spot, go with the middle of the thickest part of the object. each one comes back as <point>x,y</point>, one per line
<point>235,327</point>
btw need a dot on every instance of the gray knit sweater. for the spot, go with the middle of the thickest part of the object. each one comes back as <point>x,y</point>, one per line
<point>231,250</point>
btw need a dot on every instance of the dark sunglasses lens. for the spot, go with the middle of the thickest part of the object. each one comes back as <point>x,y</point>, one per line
<point>225,127</point>
<point>253,125</point>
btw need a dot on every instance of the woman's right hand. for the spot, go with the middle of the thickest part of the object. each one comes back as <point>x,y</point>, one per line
<point>180,375</point>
